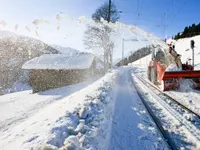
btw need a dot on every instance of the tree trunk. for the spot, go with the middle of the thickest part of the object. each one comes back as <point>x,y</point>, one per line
<point>105,61</point>
<point>111,60</point>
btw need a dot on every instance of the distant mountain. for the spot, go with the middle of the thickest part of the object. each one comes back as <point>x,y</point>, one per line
<point>15,50</point>
<point>66,50</point>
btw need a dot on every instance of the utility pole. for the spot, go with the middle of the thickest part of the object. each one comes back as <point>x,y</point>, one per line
<point>123,40</point>
<point>123,50</point>
<point>193,57</point>
<point>164,25</point>
<point>109,11</point>
<point>192,47</point>
<point>106,65</point>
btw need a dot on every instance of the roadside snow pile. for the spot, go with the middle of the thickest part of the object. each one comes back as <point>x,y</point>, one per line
<point>79,121</point>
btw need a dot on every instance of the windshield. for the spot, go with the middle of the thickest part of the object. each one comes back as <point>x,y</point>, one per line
<point>80,74</point>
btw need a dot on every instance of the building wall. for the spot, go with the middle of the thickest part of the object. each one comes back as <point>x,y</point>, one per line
<point>41,80</point>
<point>45,79</point>
<point>8,77</point>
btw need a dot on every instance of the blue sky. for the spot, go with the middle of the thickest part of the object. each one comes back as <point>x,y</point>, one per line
<point>179,13</point>
<point>152,12</point>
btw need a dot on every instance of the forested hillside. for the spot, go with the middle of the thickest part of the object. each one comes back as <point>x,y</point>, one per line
<point>189,31</point>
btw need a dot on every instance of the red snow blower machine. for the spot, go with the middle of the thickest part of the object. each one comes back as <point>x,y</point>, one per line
<point>166,69</point>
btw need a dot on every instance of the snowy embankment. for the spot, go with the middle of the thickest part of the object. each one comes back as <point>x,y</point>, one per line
<point>80,121</point>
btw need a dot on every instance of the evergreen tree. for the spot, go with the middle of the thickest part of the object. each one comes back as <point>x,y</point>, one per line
<point>189,31</point>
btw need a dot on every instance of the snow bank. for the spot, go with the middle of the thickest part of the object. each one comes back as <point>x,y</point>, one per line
<point>75,122</point>
<point>60,61</point>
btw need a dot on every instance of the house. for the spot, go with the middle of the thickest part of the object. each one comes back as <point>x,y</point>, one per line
<point>56,70</point>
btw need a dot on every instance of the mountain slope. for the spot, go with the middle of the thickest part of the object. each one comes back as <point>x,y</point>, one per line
<point>65,50</point>
<point>14,52</point>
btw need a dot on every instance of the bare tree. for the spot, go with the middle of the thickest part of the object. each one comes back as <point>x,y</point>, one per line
<point>97,38</point>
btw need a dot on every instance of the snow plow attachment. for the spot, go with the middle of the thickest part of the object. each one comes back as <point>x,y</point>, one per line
<point>167,71</point>
<point>171,80</point>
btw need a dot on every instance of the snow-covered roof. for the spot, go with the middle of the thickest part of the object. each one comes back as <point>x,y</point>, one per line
<point>60,61</point>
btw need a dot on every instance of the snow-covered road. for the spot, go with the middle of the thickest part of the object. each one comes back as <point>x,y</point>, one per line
<point>132,127</point>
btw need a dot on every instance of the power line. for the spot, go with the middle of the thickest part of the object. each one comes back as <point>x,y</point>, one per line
<point>109,12</point>
<point>142,5</point>
<point>164,22</point>
<point>175,14</point>
<point>138,10</point>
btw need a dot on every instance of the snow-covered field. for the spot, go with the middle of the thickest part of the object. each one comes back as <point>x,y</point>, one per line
<point>19,106</point>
